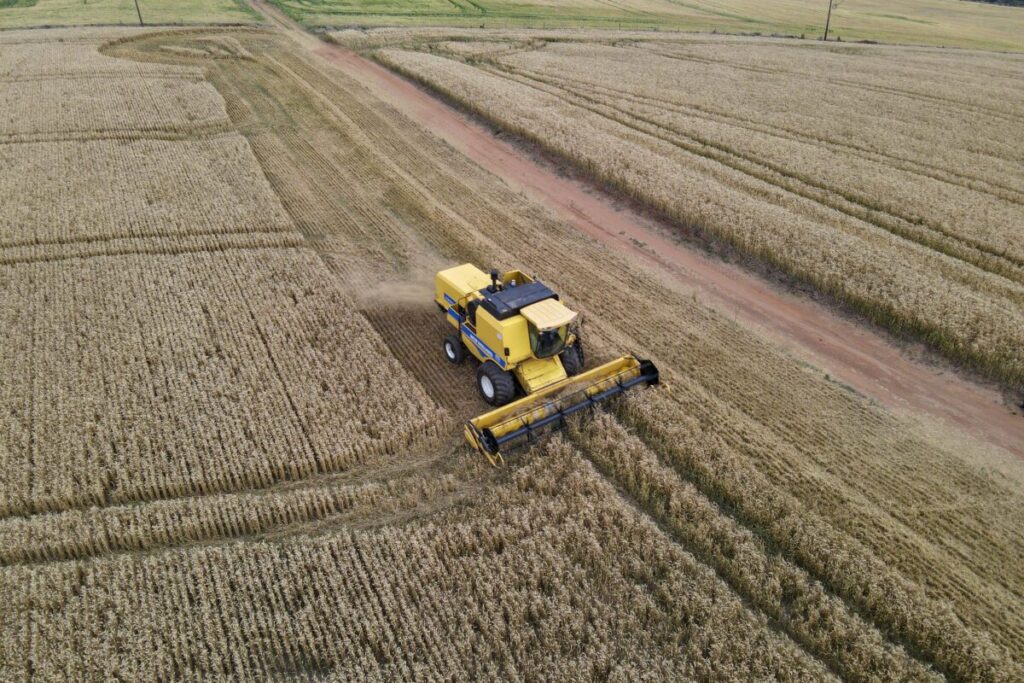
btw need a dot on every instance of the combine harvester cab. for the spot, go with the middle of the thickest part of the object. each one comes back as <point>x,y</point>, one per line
<point>527,343</point>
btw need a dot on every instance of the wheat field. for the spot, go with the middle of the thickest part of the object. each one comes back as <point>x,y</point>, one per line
<point>894,189</point>
<point>45,13</point>
<point>223,454</point>
<point>949,23</point>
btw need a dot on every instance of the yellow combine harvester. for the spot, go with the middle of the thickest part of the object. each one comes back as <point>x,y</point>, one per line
<point>527,343</point>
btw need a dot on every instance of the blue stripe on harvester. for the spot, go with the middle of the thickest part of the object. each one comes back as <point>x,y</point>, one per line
<point>484,348</point>
<point>477,342</point>
<point>451,301</point>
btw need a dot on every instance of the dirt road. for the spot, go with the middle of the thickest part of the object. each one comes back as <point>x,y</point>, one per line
<point>851,353</point>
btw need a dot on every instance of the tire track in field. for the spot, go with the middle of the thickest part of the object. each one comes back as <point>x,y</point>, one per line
<point>925,627</point>
<point>161,133</point>
<point>353,498</point>
<point>965,249</point>
<point>1006,116</point>
<point>952,176</point>
<point>990,187</point>
<point>800,608</point>
<point>170,246</point>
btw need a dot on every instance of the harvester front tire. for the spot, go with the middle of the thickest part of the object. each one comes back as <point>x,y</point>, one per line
<point>572,359</point>
<point>453,349</point>
<point>496,386</point>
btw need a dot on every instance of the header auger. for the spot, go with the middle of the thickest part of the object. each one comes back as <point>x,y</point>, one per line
<point>528,344</point>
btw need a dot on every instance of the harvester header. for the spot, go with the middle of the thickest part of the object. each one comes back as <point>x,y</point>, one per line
<point>530,353</point>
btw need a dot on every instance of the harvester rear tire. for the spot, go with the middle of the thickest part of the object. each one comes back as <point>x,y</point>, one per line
<point>496,386</point>
<point>572,359</point>
<point>453,349</point>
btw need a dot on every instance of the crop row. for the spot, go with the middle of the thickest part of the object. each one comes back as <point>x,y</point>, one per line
<point>144,377</point>
<point>935,75</point>
<point>75,57</point>
<point>819,621</point>
<point>901,609</point>
<point>893,120</point>
<point>974,225</point>
<point>110,190</point>
<point>549,575</point>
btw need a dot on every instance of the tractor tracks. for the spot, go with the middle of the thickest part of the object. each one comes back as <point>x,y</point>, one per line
<point>823,603</point>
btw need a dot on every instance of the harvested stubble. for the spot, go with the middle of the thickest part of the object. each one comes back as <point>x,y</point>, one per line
<point>858,184</point>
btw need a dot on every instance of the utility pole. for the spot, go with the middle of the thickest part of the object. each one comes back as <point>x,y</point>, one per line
<point>828,18</point>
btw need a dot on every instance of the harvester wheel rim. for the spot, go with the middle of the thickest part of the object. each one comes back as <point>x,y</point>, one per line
<point>453,349</point>
<point>487,386</point>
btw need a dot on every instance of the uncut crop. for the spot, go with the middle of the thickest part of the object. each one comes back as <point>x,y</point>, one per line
<point>135,189</point>
<point>552,575</point>
<point>923,22</point>
<point>219,372</point>
<point>223,454</point>
<point>26,13</point>
<point>886,187</point>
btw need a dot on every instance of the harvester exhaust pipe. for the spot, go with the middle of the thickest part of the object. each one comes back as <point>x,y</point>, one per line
<point>518,420</point>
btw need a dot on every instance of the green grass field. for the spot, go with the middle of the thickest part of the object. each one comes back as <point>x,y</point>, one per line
<point>928,22</point>
<point>29,13</point>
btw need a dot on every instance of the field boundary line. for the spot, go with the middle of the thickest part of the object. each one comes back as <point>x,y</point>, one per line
<point>156,249</point>
<point>168,133</point>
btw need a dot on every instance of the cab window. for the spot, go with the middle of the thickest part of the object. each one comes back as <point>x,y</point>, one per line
<point>548,343</point>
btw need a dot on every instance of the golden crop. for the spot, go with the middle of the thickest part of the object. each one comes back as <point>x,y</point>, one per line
<point>229,448</point>
<point>896,191</point>
<point>151,183</point>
